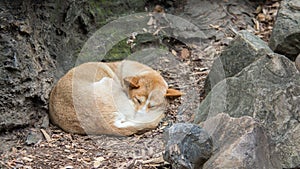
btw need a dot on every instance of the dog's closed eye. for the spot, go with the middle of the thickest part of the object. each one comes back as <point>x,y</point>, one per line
<point>139,100</point>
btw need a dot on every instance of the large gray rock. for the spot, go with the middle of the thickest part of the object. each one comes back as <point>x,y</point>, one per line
<point>26,69</point>
<point>239,143</point>
<point>242,51</point>
<point>40,41</point>
<point>269,91</point>
<point>188,146</point>
<point>286,33</point>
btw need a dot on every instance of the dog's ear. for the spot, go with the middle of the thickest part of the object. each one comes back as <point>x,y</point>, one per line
<point>132,81</point>
<point>173,93</point>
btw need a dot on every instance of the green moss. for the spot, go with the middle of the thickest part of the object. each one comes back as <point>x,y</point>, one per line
<point>122,50</point>
<point>119,52</point>
<point>106,11</point>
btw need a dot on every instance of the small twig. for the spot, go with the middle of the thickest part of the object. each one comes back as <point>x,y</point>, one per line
<point>157,160</point>
<point>46,135</point>
<point>235,32</point>
<point>200,73</point>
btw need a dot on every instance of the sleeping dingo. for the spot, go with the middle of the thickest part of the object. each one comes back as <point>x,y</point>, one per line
<point>118,98</point>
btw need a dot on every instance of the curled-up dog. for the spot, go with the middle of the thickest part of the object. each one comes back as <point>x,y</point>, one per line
<point>117,98</point>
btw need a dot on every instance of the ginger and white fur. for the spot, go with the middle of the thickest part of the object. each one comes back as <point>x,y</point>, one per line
<point>118,98</point>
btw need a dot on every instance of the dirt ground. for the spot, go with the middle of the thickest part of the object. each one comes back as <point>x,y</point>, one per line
<point>57,149</point>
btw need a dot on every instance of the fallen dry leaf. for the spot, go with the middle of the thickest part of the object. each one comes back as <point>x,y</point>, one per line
<point>261,17</point>
<point>185,53</point>
<point>98,161</point>
<point>157,160</point>
<point>27,159</point>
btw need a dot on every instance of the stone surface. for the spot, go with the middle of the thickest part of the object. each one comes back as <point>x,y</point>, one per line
<point>269,91</point>
<point>40,41</point>
<point>34,137</point>
<point>297,62</point>
<point>205,14</point>
<point>187,146</point>
<point>286,33</point>
<point>242,51</point>
<point>239,143</point>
